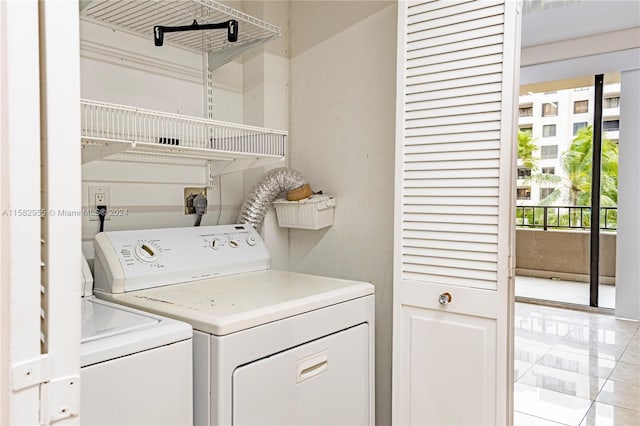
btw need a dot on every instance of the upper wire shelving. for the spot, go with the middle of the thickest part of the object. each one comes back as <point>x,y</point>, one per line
<point>140,16</point>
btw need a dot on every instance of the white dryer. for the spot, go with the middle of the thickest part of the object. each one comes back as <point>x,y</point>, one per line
<point>136,367</point>
<point>270,347</point>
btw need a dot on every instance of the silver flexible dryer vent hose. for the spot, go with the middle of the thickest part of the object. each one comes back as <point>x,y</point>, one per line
<point>264,192</point>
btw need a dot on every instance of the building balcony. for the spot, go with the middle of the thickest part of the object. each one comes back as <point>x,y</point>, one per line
<point>525,120</point>
<point>611,112</point>
<point>563,255</point>
<point>554,242</point>
<point>613,135</point>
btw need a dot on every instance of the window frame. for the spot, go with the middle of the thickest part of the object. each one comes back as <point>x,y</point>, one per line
<point>608,98</point>
<point>524,174</point>
<point>554,109</point>
<point>527,195</point>
<point>549,126</point>
<point>543,189</point>
<point>528,108</point>
<point>575,104</point>
<point>605,129</point>
<point>547,157</point>
<point>575,130</point>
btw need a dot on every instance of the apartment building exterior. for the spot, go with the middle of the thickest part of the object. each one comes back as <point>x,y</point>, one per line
<point>554,118</point>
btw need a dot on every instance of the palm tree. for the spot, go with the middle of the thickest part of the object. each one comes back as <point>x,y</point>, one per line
<point>526,147</point>
<point>577,164</point>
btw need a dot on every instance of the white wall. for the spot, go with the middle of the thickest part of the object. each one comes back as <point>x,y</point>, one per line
<point>553,50</point>
<point>266,101</point>
<point>577,20</point>
<point>342,137</point>
<point>628,244</point>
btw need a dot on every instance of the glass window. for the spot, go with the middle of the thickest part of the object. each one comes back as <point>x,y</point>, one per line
<point>611,125</point>
<point>580,107</point>
<point>549,151</point>
<point>523,193</point>
<point>526,129</point>
<point>545,192</point>
<point>548,130</point>
<point>524,172</point>
<point>549,109</point>
<point>549,170</point>
<point>578,126</point>
<point>526,111</point>
<point>612,102</point>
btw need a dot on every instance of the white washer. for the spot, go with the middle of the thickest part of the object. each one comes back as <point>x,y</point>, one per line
<point>136,367</point>
<point>270,347</point>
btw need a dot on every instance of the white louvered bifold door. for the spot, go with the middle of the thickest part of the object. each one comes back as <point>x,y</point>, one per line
<point>40,216</point>
<point>458,65</point>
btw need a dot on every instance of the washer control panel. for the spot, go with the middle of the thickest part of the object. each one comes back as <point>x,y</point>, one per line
<point>146,258</point>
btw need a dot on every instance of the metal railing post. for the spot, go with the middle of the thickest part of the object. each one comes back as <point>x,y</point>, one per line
<point>575,216</point>
<point>594,249</point>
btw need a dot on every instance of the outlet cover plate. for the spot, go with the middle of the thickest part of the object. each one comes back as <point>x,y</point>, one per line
<point>188,192</point>
<point>94,192</point>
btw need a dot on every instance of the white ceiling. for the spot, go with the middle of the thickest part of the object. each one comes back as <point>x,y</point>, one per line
<point>578,19</point>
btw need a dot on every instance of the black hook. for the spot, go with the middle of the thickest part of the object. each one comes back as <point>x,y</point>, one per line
<point>231,26</point>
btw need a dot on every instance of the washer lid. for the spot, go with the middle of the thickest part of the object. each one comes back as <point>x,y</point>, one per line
<point>110,331</point>
<point>226,305</point>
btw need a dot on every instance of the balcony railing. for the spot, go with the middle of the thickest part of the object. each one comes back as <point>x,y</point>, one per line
<point>564,217</point>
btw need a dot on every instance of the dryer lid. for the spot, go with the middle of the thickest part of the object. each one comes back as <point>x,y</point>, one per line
<point>225,305</point>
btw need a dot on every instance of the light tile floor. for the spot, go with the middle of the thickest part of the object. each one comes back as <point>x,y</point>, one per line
<point>564,291</point>
<point>575,368</point>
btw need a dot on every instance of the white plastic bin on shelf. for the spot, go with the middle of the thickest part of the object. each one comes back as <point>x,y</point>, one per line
<point>315,212</point>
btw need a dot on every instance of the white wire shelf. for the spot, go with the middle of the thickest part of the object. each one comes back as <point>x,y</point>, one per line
<point>119,132</point>
<point>141,16</point>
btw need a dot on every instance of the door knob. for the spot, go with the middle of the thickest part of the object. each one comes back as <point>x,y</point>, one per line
<point>444,298</point>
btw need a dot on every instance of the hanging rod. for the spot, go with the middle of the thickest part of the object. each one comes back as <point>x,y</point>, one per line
<point>231,26</point>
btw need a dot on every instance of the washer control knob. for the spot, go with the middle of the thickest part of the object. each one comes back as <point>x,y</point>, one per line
<point>234,243</point>
<point>251,241</point>
<point>216,243</point>
<point>145,252</point>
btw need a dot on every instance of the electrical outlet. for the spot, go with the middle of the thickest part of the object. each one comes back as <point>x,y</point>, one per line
<point>101,199</point>
<point>189,195</point>
<point>99,196</point>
